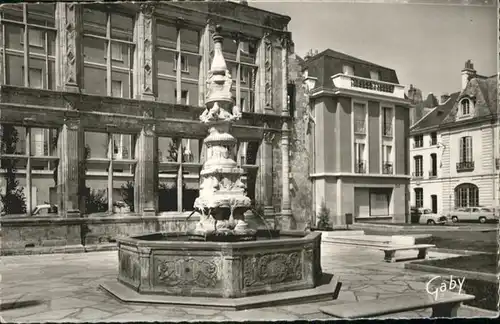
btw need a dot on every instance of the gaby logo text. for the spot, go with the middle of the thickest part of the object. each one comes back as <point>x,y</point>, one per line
<point>444,286</point>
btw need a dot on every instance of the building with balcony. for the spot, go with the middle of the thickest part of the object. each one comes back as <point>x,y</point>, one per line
<point>356,121</point>
<point>455,148</point>
<point>100,103</point>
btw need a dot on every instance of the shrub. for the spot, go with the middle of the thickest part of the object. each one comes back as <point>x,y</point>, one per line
<point>127,192</point>
<point>97,201</point>
<point>13,200</point>
<point>323,216</point>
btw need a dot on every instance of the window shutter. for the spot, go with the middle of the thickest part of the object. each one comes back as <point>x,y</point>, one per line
<point>461,158</point>
<point>469,148</point>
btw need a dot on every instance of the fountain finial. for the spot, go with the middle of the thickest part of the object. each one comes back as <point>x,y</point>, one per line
<point>218,62</point>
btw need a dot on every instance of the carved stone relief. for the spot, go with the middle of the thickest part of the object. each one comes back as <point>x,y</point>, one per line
<point>147,10</point>
<point>271,268</point>
<point>70,74</point>
<point>268,72</point>
<point>188,272</point>
<point>129,266</point>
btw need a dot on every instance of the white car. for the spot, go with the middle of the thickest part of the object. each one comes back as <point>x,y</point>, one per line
<point>44,210</point>
<point>430,218</point>
<point>481,214</point>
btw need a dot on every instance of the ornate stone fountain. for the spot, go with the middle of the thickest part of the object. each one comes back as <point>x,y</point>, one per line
<point>221,262</point>
<point>222,201</point>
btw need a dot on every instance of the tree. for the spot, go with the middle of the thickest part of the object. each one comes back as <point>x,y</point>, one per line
<point>323,217</point>
<point>13,200</point>
<point>127,192</point>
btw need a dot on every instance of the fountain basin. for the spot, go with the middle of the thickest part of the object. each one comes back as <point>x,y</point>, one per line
<point>170,264</point>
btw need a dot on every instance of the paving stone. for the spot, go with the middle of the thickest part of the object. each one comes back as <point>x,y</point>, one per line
<point>261,315</point>
<point>46,316</point>
<point>200,311</point>
<point>316,316</point>
<point>70,303</point>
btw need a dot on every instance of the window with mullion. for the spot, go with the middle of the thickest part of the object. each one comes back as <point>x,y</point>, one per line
<point>29,162</point>
<point>466,149</point>
<point>108,53</point>
<point>178,62</point>
<point>240,55</point>
<point>109,168</point>
<point>28,45</point>
<point>179,168</point>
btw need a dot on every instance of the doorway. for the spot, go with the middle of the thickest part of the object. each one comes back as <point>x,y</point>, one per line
<point>434,202</point>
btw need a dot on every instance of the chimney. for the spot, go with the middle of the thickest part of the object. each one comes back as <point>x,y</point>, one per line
<point>444,98</point>
<point>467,73</point>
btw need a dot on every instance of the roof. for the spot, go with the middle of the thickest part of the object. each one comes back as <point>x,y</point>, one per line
<point>484,93</point>
<point>344,57</point>
<point>437,115</point>
<point>329,62</point>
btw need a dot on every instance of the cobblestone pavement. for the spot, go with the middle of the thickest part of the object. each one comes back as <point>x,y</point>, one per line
<point>64,287</point>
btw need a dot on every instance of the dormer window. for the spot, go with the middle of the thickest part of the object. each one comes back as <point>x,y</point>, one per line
<point>347,69</point>
<point>465,107</point>
<point>374,75</point>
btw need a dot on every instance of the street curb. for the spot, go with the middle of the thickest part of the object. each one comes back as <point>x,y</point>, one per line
<point>459,252</point>
<point>490,277</point>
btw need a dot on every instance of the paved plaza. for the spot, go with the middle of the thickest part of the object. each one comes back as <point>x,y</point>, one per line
<point>64,288</point>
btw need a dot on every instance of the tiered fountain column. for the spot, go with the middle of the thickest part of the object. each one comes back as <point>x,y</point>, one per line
<point>222,201</point>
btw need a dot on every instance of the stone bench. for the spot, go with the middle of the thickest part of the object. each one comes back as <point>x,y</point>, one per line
<point>445,305</point>
<point>390,251</point>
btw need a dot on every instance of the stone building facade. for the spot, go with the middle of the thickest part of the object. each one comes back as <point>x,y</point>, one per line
<point>99,110</point>
<point>352,140</point>
<point>455,149</point>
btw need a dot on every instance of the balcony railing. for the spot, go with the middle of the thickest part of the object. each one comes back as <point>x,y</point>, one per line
<point>432,174</point>
<point>418,174</point>
<point>350,82</point>
<point>360,167</point>
<point>465,166</point>
<point>418,144</point>
<point>387,130</point>
<point>387,168</point>
<point>359,127</point>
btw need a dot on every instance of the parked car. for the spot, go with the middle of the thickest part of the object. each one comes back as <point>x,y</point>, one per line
<point>430,218</point>
<point>481,214</point>
<point>44,210</point>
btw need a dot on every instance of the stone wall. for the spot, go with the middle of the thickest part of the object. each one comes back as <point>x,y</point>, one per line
<point>301,193</point>
<point>55,235</point>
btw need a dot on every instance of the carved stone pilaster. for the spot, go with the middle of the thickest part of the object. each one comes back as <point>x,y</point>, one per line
<point>267,174</point>
<point>146,184</point>
<point>284,42</point>
<point>268,72</point>
<point>286,211</point>
<point>146,49</point>
<point>69,19</point>
<point>71,172</point>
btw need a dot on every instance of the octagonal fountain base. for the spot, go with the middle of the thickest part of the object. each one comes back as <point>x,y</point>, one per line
<point>167,268</point>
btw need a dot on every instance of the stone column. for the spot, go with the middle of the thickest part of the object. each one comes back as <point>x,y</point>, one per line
<point>266,173</point>
<point>286,209</point>
<point>69,70</point>
<point>145,66</point>
<point>146,186</point>
<point>72,177</point>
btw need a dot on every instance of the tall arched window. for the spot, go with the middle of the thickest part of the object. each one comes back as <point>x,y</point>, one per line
<point>466,195</point>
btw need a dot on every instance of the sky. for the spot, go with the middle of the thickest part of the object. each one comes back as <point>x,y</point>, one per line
<point>427,45</point>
